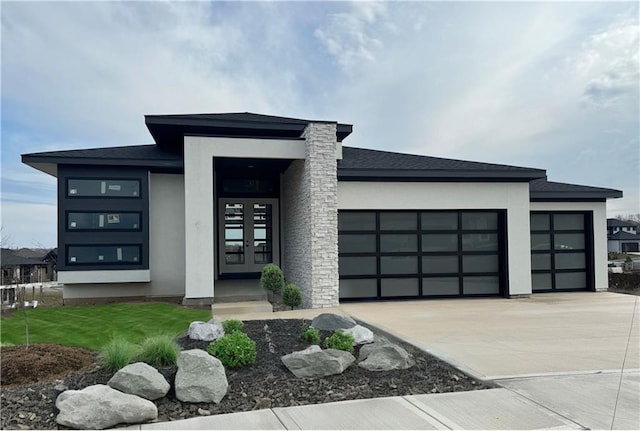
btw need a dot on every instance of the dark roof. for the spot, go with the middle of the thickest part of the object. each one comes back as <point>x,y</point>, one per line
<point>168,130</point>
<point>370,165</point>
<point>136,155</point>
<point>614,222</point>
<point>10,257</point>
<point>624,236</point>
<point>543,190</point>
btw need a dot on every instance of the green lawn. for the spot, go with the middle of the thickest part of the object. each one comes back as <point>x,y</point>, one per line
<point>93,326</point>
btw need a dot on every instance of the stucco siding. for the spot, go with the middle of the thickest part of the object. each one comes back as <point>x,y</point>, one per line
<point>599,210</point>
<point>514,197</point>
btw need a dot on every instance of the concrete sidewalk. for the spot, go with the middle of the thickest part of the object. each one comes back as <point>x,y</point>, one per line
<point>483,409</point>
<point>557,357</point>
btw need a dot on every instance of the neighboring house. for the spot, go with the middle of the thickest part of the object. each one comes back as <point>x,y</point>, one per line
<point>27,265</point>
<point>622,236</point>
<point>220,195</point>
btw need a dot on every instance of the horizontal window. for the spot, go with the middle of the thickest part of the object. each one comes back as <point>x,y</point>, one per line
<point>541,281</point>
<point>357,221</point>
<point>540,241</point>
<point>480,242</point>
<point>481,263</point>
<point>440,286</point>
<point>103,221</point>
<point>105,254</point>
<point>399,287</point>
<point>439,264</point>
<point>540,222</point>
<point>481,285</point>
<point>103,188</point>
<point>540,261</point>
<point>568,221</point>
<point>390,243</point>
<point>357,243</point>
<point>571,280</point>
<point>479,221</point>
<point>569,241</point>
<point>440,242</point>
<point>398,221</point>
<point>439,221</point>
<point>570,261</point>
<point>398,265</point>
<point>357,265</point>
<point>366,288</point>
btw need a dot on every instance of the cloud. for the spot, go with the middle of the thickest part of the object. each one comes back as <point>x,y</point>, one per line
<point>609,64</point>
<point>30,224</point>
<point>351,37</point>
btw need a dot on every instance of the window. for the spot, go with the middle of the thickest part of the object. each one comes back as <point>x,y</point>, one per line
<point>103,254</point>
<point>103,188</point>
<point>97,221</point>
<point>408,254</point>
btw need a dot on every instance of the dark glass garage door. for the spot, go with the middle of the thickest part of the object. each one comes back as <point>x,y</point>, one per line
<point>561,251</point>
<point>415,254</point>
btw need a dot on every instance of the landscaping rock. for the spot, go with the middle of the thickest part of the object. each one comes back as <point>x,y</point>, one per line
<point>200,378</point>
<point>315,362</point>
<point>384,356</point>
<point>360,334</point>
<point>205,331</point>
<point>331,322</point>
<point>140,379</point>
<point>100,407</point>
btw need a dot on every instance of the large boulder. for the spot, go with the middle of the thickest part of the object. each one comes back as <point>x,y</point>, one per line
<point>100,407</point>
<point>384,356</point>
<point>360,334</point>
<point>331,322</point>
<point>200,378</point>
<point>315,362</point>
<point>205,331</point>
<point>140,379</point>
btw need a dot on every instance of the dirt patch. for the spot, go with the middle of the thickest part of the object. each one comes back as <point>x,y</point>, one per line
<point>265,384</point>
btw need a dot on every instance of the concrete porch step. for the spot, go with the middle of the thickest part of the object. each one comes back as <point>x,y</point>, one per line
<point>232,309</point>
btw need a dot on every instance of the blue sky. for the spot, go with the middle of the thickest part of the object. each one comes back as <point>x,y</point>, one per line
<point>547,85</point>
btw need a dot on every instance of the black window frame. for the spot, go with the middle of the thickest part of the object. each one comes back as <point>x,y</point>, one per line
<point>419,275</point>
<point>102,204</point>
<point>102,178</point>
<point>98,263</point>
<point>69,212</point>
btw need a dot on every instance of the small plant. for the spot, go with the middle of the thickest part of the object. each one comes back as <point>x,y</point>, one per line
<point>117,353</point>
<point>272,278</point>
<point>234,350</point>
<point>230,326</point>
<point>291,296</point>
<point>340,341</point>
<point>311,335</point>
<point>159,351</point>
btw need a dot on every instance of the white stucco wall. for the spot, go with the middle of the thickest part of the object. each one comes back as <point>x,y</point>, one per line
<point>199,200</point>
<point>166,234</point>
<point>599,210</point>
<point>514,197</point>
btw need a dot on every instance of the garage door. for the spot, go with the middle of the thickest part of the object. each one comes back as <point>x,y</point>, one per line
<point>561,251</point>
<point>417,254</point>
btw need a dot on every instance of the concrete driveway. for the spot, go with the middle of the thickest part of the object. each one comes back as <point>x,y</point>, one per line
<point>564,351</point>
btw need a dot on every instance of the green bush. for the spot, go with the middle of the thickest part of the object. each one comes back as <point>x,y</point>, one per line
<point>340,341</point>
<point>234,350</point>
<point>232,325</point>
<point>117,353</point>
<point>272,278</point>
<point>291,296</point>
<point>311,335</point>
<point>159,351</point>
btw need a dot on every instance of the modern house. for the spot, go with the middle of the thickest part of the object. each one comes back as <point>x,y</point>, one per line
<point>622,236</point>
<point>220,195</point>
<point>27,265</point>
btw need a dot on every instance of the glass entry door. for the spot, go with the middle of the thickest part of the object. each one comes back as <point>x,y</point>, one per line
<point>248,234</point>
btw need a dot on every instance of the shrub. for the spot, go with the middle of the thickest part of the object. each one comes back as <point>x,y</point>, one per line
<point>291,296</point>
<point>234,350</point>
<point>340,341</point>
<point>272,278</point>
<point>232,325</point>
<point>159,351</point>
<point>117,353</point>
<point>311,335</point>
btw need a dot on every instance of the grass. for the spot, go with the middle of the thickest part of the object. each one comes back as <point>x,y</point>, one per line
<point>94,326</point>
<point>159,351</point>
<point>117,353</point>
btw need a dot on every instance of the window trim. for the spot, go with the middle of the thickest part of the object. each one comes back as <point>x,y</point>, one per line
<point>103,264</point>
<point>67,195</point>
<point>138,229</point>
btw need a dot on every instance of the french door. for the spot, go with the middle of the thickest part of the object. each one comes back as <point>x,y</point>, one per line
<point>248,234</point>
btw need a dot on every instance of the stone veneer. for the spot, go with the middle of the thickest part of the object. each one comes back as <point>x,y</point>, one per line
<point>310,218</point>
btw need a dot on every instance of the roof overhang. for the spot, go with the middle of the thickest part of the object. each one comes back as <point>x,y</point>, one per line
<point>168,130</point>
<point>439,175</point>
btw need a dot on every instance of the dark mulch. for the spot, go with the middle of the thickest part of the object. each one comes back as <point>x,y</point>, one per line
<point>265,384</point>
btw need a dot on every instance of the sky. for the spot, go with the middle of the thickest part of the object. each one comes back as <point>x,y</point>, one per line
<point>551,85</point>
